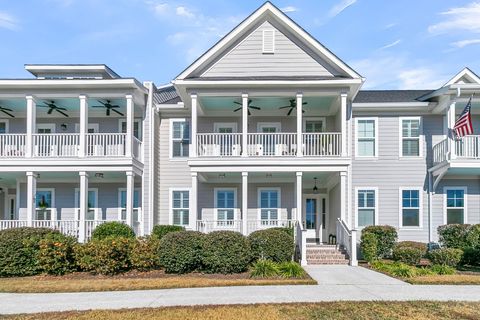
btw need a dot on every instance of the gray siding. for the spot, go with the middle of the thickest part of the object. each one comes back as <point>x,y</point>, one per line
<point>247,58</point>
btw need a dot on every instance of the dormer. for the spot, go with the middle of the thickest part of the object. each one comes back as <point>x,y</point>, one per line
<point>71,71</point>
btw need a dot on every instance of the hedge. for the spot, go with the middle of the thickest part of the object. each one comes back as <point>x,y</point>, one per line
<point>369,247</point>
<point>145,254</point>
<point>386,239</point>
<point>159,231</point>
<point>56,255</point>
<point>112,229</point>
<point>446,256</point>
<point>272,244</point>
<point>454,235</point>
<point>226,252</point>
<point>181,252</point>
<point>408,255</point>
<point>471,256</point>
<point>19,249</point>
<point>413,244</point>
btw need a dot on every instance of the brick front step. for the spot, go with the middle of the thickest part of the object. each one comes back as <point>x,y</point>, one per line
<point>326,254</point>
<point>335,261</point>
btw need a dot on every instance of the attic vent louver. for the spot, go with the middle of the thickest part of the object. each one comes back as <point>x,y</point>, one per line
<point>269,41</point>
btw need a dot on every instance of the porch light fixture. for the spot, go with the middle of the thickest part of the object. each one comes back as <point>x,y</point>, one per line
<point>221,175</point>
<point>315,189</point>
<point>268,175</point>
<point>63,126</point>
<point>99,175</point>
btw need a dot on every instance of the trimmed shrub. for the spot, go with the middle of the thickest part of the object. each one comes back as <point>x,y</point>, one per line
<point>107,256</point>
<point>471,257</point>
<point>145,254</point>
<point>446,256</point>
<point>264,269</point>
<point>290,269</point>
<point>386,239</point>
<point>453,235</point>
<point>159,231</point>
<point>181,252</point>
<point>413,244</point>
<point>56,254</point>
<point>473,237</point>
<point>408,255</point>
<point>227,252</point>
<point>369,247</point>
<point>19,249</point>
<point>272,244</point>
<point>112,229</point>
<point>289,230</point>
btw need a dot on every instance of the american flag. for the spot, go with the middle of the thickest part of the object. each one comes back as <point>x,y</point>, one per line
<point>463,125</point>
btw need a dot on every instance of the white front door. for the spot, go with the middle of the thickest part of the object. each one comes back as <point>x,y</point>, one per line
<point>268,141</point>
<point>315,216</point>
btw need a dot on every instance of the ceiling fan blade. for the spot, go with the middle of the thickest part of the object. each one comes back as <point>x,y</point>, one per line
<point>237,109</point>
<point>114,106</point>
<point>8,113</point>
<point>305,103</point>
<point>118,112</point>
<point>285,107</point>
<point>255,107</point>
<point>237,102</point>
<point>249,101</point>
<point>61,112</point>
<point>43,106</point>
<point>50,111</point>
<point>102,102</point>
<point>98,106</point>
<point>61,108</point>
<point>289,112</point>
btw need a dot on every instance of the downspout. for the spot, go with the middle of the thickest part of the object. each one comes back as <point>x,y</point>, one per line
<point>430,218</point>
<point>152,158</point>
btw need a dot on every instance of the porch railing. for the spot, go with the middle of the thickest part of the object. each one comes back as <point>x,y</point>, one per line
<point>348,240</point>
<point>106,144</point>
<point>322,144</point>
<point>12,145</point>
<point>440,151</point>
<point>468,147</point>
<point>207,226</point>
<point>219,144</point>
<point>254,225</point>
<point>56,144</point>
<point>272,144</point>
<point>9,224</point>
<point>137,148</point>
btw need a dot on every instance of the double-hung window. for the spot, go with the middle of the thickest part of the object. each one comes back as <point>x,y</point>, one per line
<point>410,208</point>
<point>180,138</point>
<point>366,206</point>
<point>180,207</point>
<point>410,136</point>
<point>455,205</point>
<point>269,201</point>
<point>225,206</point>
<point>123,204</point>
<point>366,137</point>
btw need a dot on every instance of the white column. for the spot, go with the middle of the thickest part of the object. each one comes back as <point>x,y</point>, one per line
<point>129,196</point>
<point>343,119</point>
<point>244,202</point>
<point>244,125</point>
<point>31,124</point>
<point>343,195</point>
<point>83,125</point>
<point>450,132</point>
<point>194,125</point>
<point>299,124</point>
<point>83,200</point>
<point>31,192</point>
<point>299,196</point>
<point>129,134</point>
<point>17,200</point>
<point>192,219</point>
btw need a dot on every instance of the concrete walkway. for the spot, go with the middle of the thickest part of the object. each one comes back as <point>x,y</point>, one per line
<point>336,283</point>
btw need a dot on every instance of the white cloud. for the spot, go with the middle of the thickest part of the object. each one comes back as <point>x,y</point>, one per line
<point>288,9</point>
<point>184,12</point>
<point>338,8</point>
<point>8,21</point>
<point>464,43</point>
<point>390,45</point>
<point>465,18</point>
<point>390,25</point>
<point>160,8</point>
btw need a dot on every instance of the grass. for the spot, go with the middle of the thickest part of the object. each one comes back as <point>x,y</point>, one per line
<point>417,310</point>
<point>453,279</point>
<point>82,282</point>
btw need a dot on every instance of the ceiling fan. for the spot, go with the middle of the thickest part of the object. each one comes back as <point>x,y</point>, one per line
<point>109,106</point>
<point>6,111</point>
<point>293,105</point>
<point>53,107</point>
<point>249,106</point>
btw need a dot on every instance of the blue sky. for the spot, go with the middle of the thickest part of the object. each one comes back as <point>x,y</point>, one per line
<point>394,44</point>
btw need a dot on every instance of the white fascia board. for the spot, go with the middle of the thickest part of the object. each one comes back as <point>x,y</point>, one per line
<point>392,106</point>
<point>129,83</point>
<point>170,106</point>
<point>208,83</point>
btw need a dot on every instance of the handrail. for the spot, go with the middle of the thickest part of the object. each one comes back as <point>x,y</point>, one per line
<point>348,240</point>
<point>440,151</point>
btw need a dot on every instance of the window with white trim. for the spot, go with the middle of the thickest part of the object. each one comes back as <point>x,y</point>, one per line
<point>137,128</point>
<point>3,126</point>
<point>91,203</point>
<point>269,203</point>
<point>366,207</point>
<point>225,205</point>
<point>410,208</point>
<point>366,137</point>
<point>410,137</point>
<point>180,207</point>
<point>455,205</point>
<point>123,203</point>
<point>180,138</point>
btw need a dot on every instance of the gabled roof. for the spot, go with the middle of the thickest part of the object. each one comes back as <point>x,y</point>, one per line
<point>272,12</point>
<point>464,76</point>
<point>386,96</point>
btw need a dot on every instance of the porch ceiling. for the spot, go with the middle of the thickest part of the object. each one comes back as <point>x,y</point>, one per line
<point>9,178</point>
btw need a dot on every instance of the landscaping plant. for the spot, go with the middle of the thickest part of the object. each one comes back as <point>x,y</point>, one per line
<point>112,229</point>
<point>159,231</point>
<point>226,252</point>
<point>369,245</point>
<point>145,254</point>
<point>264,269</point>
<point>386,239</point>
<point>272,244</point>
<point>454,235</point>
<point>410,253</point>
<point>446,256</point>
<point>290,269</point>
<point>181,252</point>
<point>56,254</point>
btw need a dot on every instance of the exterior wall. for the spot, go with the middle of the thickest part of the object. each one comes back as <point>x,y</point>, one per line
<point>247,58</point>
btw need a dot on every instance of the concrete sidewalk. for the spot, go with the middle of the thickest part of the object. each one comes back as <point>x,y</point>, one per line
<point>364,285</point>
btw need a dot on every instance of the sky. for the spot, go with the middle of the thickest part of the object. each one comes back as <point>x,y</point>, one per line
<point>407,44</point>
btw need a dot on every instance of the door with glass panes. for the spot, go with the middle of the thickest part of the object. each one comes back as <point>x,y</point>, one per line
<point>123,205</point>
<point>268,140</point>
<point>93,212</point>
<point>227,143</point>
<point>315,216</point>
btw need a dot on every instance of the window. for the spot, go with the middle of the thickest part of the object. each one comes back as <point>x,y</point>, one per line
<point>410,208</point>
<point>410,137</point>
<point>455,209</point>
<point>225,205</point>
<point>180,138</point>
<point>269,41</point>
<point>92,203</point>
<point>366,207</point>
<point>45,128</point>
<point>3,126</point>
<point>136,128</point>
<point>44,202</point>
<point>314,125</point>
<point>180,207</point>
<point>269,203</point>
<point>123,203</point>
<point>366,137</point>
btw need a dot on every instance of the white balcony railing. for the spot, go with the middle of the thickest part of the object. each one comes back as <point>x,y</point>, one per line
<point>12,145</point>
<point>56,144</point>
<point>207,226</point>
<point>272,144</point>
<point>254,225</point>
<point>468,147</point>
<point>440,151</point>
<point>106,144</point>
<point>219,144</point>
<point>322,144</point>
